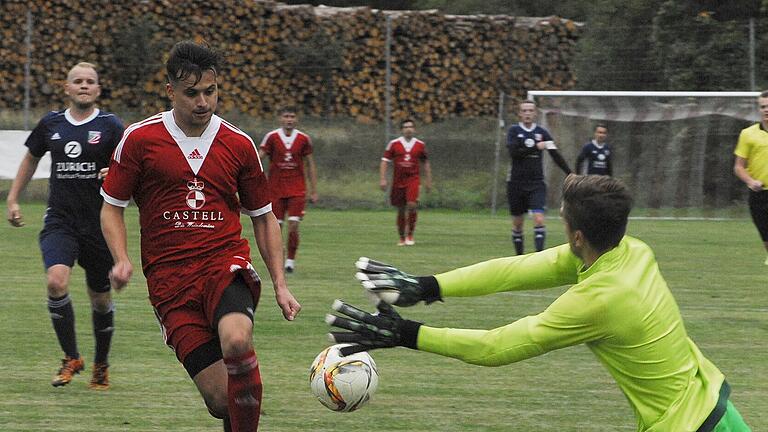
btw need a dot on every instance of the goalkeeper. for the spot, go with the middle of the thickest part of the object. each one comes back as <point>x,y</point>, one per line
<point>618,304</point>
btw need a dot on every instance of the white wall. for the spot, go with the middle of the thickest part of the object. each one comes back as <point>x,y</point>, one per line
<point>12,151</point>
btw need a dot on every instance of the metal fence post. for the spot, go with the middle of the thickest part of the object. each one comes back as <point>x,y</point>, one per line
<point>752,54</point>
<point>388,82</point>
<point>497,154</point>
<point>27,73</point>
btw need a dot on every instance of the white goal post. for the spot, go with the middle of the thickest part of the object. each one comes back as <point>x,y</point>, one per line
<point>673,148</point>
<point>670,105</point>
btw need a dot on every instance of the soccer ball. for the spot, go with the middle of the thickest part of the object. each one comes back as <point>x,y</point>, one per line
<point>343,383</point>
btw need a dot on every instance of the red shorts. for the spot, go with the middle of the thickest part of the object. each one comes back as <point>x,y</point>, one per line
<point>399,196</point>
<point>185,298</point>
<point>294,206</point>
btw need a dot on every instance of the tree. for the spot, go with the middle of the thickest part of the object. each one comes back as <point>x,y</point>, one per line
<point>137,54</point>
<point>615,51</point>
<point>317,56</point>
<point>697,51</point>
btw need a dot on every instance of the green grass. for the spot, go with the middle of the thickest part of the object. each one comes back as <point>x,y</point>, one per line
<point>713,267</point>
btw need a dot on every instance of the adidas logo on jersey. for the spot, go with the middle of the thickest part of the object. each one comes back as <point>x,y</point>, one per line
<point>195,155</point>
<point>55,136</point>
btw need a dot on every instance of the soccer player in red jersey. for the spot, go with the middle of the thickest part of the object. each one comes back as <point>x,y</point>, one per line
<point>405,153</point>
<point>191,174</point>
<point>289,150</point>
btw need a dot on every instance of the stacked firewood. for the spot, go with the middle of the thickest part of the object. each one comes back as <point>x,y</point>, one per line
<point>324,60</point>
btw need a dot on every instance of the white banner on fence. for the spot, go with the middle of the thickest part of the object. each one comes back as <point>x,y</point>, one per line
<point>13,150</point>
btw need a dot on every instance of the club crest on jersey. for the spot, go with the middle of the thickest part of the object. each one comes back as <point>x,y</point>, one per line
<point>538,137</point>
<point>195,197</point>
<point>94,137</point>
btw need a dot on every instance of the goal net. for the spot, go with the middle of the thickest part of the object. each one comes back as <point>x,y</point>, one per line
<point>673,149</point>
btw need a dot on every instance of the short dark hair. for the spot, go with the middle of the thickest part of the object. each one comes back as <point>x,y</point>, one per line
<point>764,94</point>
<point>189,58</point>
<point>601,125</point>
<point>599,207</point>
<point>286,109</point>
<point>408,120</point>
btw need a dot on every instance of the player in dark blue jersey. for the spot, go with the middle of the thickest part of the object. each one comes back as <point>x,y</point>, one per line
<point>81,140</point>
<point>526,189</point>
<point>597,154</point>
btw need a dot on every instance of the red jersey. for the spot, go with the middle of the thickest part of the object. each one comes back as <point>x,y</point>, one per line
<point>286,161</point>
<point>405,156</point>
<point>190,190</point>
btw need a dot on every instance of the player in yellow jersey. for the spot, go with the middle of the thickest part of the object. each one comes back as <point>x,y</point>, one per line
<point>618,305</point>
<point>751,167</point>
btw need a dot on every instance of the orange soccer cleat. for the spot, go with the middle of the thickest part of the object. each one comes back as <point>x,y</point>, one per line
<point>100,377</point>
<point>69,367</point>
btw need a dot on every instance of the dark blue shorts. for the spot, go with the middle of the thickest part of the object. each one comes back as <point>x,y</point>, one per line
<point>526,196</point>
<point>63,241</point>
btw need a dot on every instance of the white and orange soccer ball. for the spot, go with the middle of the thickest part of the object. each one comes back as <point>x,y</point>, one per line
<point>343,384</point>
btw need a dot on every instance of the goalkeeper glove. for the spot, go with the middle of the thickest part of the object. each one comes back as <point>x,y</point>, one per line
<point>384,329</point>
<point>394,286</point>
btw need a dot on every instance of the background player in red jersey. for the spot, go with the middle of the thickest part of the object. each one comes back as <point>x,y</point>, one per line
<point>80,140</point>
<point>405,153</point>
<point>289,150</point>
<point>191,174</point>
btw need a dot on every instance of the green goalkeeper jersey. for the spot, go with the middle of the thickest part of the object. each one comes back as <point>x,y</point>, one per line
<point>620,307</point>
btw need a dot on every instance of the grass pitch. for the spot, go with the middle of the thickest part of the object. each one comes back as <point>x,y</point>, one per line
<point>714,269</point>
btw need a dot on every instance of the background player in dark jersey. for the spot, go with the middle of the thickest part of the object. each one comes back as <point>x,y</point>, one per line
<point>192,174</point>
<point>290,152</point>
<point>81,140</point>
<point>597,153</point>
<point>405,154</point>
<point>526,189</point>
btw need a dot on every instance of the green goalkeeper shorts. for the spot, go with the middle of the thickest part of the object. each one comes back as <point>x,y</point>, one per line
<point>731,421</point>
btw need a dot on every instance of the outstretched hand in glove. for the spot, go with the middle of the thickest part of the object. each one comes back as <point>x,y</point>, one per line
<point>383,329</point>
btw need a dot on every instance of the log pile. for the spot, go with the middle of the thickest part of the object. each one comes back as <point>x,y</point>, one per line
<point>324,60</point>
